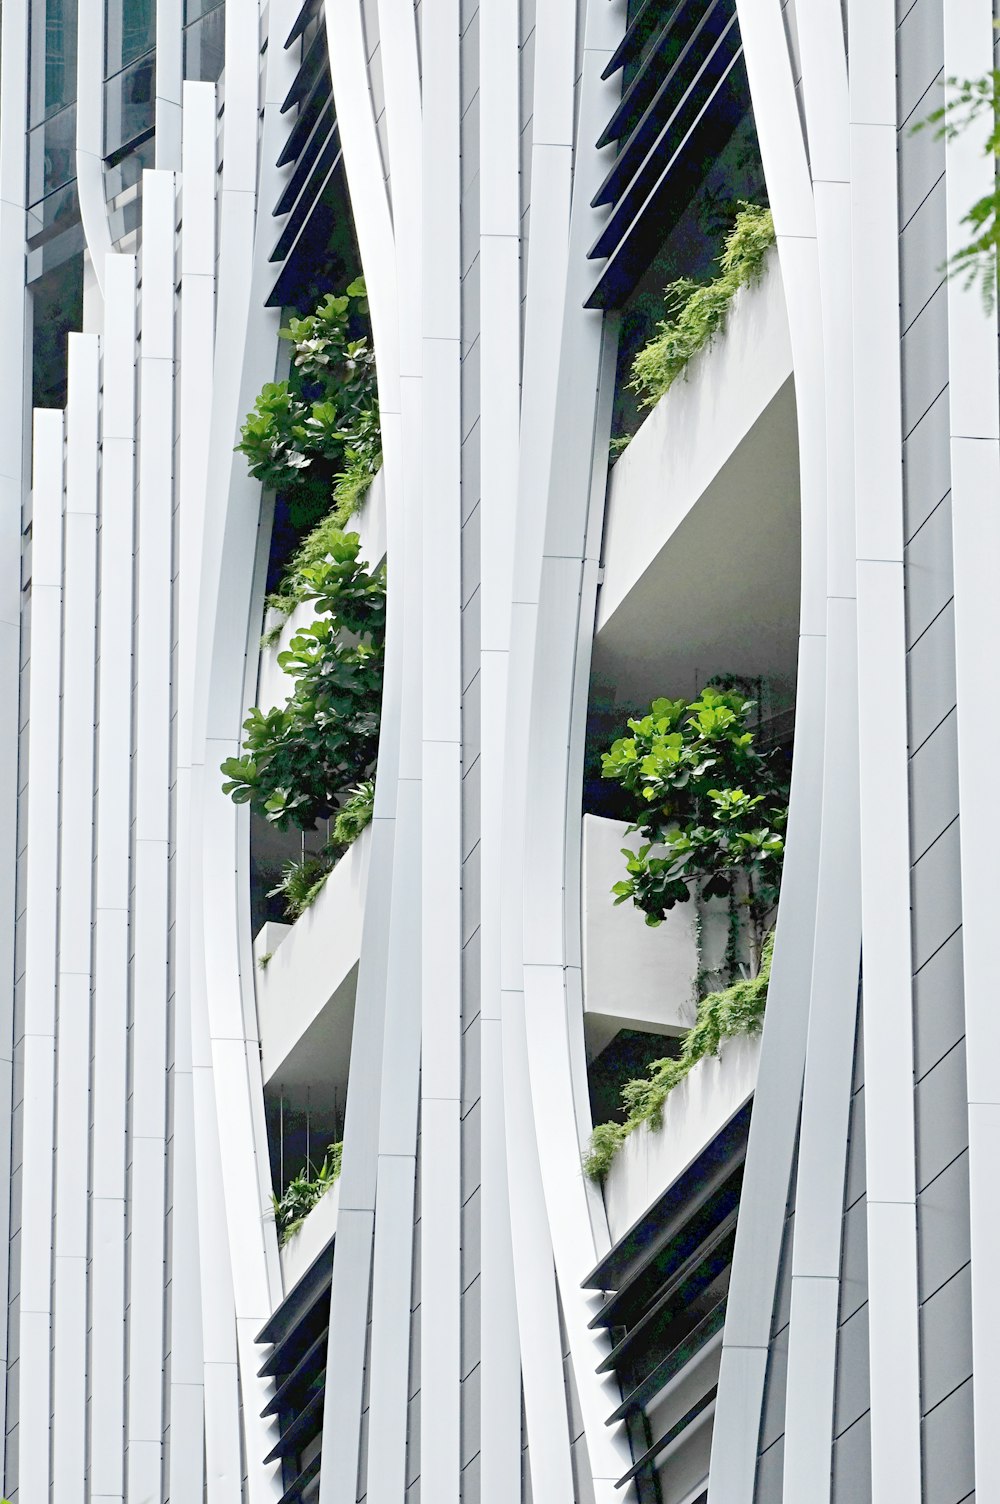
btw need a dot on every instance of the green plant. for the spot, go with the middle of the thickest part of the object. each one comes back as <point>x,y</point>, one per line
<point>264,960</point>
<point>972,99</point>
<point>303,1191</point>
<point>310,437</point>
<point>302,881</point>
<point>711,807</point>
<point>737,1010</point>
<point>298,759</point>
<point>697,311</point>
<point>354,814</point>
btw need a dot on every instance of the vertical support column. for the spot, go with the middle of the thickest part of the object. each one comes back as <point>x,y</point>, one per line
<point>14,430</point>
<point>112,876</point>
<point>90,53</point>
<point>975,485</point>
<point>151,836</point>
<point>35,1031</point>
<point>774,1127</point>
<point>499,402</point>
<point>342,1418</point>
<point>170,17</point>
<point>885,843</point>
<point>76,838</point>
<point>185,1335</point>
<point>440,1229</point>
<point>829,1065</point>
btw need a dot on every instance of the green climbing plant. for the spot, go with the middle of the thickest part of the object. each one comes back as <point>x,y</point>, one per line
<point>314,438</point>
<point>735,1011</point>
<point>697,311</point>
<point>710,806</point>
<point>298,761</point>
<point>303,1192</point>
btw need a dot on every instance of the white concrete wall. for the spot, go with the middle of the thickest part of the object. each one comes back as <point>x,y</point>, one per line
<point>691,433</point>
<point>308,985</point>
<point>635,976</point>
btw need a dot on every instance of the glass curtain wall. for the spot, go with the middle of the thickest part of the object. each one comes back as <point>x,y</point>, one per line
<point>51,97</point>
<point>204,39</point>
<point>130,71</point>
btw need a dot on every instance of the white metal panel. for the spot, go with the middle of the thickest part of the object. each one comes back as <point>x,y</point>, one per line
<point>169,81</point>
<point>773,1128</point>
<point>112,870</point>
<point>72,1104</point>
<point>352,1270</point>
<point>37,1044</point>
<point>13,453</point>
<point>885,845</point>
<point>974,414</point>
<point>90,48</point>
<point>75,858</point>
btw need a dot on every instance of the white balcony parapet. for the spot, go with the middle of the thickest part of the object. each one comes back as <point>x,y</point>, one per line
<point>308,1241</point>
<point>636,976</point>
<point>689,436</point>
<point>651,1159</point>
<point>701,538</point>
<point>305,995</point>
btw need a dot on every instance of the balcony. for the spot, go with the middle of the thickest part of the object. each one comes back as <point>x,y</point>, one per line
<point>701,537</point>
<point>305,991</point>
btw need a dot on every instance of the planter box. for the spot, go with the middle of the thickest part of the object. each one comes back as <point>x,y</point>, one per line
<point>305,996</point>
<point>306,1245</point>
<point>651,1159</point>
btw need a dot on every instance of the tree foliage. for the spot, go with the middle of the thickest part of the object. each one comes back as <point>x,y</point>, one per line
<point>299,760</point>
<point>711,807</point>
<point>314,438</point>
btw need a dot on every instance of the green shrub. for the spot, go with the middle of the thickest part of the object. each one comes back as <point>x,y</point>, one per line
<point>303,1192</point>
<point>737,1010</point>
<point>697,311</point>
<point>311,437</point>
<point>298,760</point>
<point>711,808</point>
<point>302,881</point>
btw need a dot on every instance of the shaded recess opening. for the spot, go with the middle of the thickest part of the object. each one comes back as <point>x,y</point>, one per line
<point>57,309</point>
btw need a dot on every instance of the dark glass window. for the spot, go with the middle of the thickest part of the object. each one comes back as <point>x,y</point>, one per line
<point>53,215</point>
<point>205,46</point>
<point>193,9</point>
<point>129,103</point>
<point>52,154</point>
<point>57,308</point>
<point>53,57</point>
<point>131,32</point>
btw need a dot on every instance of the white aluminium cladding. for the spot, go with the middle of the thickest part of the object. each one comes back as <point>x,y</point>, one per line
<point>456,969</point>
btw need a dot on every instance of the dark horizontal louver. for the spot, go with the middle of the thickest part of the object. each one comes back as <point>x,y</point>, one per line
<point>666,1283</point>
<point>686,92</point>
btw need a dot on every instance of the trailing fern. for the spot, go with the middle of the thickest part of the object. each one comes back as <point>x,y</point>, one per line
<point>738,1010</point>
<point>304,1191</point>
<point>302,881</point>
<point>697,311</point>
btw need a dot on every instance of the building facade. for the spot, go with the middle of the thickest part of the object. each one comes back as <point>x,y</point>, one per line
<point>779,1286</point>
